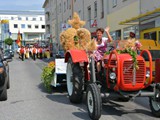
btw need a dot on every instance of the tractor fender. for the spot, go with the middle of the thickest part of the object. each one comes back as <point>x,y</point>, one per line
<point>77,56</point>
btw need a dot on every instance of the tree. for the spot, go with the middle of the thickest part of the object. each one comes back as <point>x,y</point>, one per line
<point>8,41</point>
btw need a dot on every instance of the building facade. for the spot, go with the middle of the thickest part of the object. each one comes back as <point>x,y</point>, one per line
<point>30,24</point>
<point>122,16</point>
<point>60,11</point>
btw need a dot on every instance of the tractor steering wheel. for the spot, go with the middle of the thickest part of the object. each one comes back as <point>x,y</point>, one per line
<point>111,48</point>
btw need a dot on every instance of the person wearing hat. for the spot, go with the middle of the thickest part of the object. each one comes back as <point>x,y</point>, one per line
<point>132,35</point>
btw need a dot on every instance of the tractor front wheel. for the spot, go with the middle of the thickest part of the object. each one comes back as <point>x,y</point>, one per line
<point>94,102</point>
<point>155,103</point>
<point>74,82</point>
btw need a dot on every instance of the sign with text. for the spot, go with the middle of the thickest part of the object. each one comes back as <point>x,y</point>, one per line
<point>94,23</point>
<point>65,26</point>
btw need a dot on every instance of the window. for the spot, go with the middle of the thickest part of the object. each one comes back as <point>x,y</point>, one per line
<point>29,26</point>
<point>127,30</point>
<point>43,26</point>
<point>95,9</point>
<point>48,28</point>
<point>60,8</point>
<point>67,4</point>
<point>15,25</point>
<point>114,3</point>
<point>79,12</point>
<point>102,9</point>
<point>47,15</point>
<point>89,13</point>
<point>34,19</point>
<point>19,18</point>
<point>36,26</point>
<point>22,25</point>
<point>41,18</point>
<point>64,6</point>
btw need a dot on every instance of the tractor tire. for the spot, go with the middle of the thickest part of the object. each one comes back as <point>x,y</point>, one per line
<point>94,101</point>
<point>3,95</point>
<point>155,103</point>
<point>74,82</point>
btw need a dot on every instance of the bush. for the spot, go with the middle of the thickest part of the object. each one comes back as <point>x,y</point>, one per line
<point>8,41</point>
<point>48,75</point>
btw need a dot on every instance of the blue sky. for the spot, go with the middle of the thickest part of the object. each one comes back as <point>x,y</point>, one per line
<point>21,4</point>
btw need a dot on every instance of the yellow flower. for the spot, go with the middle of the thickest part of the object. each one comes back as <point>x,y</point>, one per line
<point>51,64</point>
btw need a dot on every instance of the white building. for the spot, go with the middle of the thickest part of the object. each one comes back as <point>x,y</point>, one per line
<point>31,25</point>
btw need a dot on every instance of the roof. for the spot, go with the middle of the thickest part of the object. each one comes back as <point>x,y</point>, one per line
<point>27,12</point>
<point>45,3</point>
<point>142,17</point>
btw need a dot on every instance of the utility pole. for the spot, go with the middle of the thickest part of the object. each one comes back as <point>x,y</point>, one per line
<point>57,27</point>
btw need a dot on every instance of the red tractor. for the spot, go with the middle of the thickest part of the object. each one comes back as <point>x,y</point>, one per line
<point>119,80</point>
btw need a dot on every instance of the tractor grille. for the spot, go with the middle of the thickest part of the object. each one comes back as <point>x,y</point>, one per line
<point>128,74</point>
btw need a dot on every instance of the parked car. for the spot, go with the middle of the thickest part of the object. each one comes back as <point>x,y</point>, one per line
<point>4,78</point>
<point>60,54</point>
<point>7,56</point>
<point>10,51</point>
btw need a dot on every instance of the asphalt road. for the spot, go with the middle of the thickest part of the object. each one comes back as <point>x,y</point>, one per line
<point>28,100</point>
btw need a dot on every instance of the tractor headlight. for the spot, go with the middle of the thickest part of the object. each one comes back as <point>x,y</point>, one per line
<point>112,75</point>
<point>147,74</point>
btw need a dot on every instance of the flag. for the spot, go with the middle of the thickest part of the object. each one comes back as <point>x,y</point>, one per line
<point>18,41</point>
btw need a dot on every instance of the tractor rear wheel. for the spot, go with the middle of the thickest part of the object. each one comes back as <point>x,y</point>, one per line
<point>94,102</point>
<point>155,103</point>
<point>74,82</point>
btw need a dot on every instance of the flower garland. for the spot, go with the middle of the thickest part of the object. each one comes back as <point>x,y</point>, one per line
<point>131,46</point>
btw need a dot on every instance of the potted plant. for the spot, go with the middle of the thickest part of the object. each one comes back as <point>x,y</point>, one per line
<point>48,75</point>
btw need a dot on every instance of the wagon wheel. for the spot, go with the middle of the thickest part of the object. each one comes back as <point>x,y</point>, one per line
<point>155,102</point>
<point>94,102</point>
<point>74,81</point>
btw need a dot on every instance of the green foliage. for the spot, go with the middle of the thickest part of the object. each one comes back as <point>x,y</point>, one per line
<point>107,52</point>
<point>8,41</point>
<point>76,38</point>
<point>132,53</point>
<point>47,77</point>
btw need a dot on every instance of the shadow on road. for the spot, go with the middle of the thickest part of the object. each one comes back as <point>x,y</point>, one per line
<point>59,89</point>
<point>112,108</point>
<point>116,109</point>
<point>81,111</point>
<point>60,95</point>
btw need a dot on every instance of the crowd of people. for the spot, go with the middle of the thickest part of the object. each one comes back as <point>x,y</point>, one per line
<point>34,52</point>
